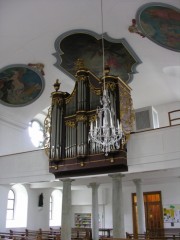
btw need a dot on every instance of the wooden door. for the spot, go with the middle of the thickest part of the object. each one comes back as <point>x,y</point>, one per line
<point>153,212</point>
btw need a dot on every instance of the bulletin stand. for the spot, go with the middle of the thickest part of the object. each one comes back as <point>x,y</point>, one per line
<point>83,220</point>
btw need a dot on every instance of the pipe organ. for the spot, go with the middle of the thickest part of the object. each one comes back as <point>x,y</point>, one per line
<point>68,121</point>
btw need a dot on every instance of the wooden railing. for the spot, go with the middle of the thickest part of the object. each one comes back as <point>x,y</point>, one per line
<point>174,117</point>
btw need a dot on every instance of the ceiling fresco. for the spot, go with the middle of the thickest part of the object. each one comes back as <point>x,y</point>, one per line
<point>160,23</point>
<point>86,45</point>
<point>20,85</point>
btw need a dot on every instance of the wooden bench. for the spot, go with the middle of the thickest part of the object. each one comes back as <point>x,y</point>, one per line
<point>81,234</point>
<point>76,233</point>
<point>52,234</point>
<point>105,232</point>
<point>33,235</point>
<point>160,236</point>
<point>103,238</point>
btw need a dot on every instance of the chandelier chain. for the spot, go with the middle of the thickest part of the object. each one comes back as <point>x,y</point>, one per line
<point>102,36</point>
<point>107,130</point>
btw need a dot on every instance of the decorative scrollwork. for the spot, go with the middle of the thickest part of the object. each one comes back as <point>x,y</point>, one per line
<point>57,101</point>
<point>92,118</point>
<point>47,131</point>
<point>97,91</point>
<point>81,118</point>
<point>82,78</point>
<point>127,114</point>
<point>111,86</point>
<point>70,123</point>
<point>79,64</point>
<point>68,99</point>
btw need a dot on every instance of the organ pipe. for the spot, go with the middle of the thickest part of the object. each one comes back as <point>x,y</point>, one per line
<point>57,123</point>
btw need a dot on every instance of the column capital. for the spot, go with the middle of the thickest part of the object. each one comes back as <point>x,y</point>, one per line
<point>137,181</point>
<point>67,180</point>
<point>93,185</point>
<point>116,175</point>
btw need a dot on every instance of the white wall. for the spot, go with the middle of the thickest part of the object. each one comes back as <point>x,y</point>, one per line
<point>14,139</point>
<point>38,217</point>
<point>86,199</point>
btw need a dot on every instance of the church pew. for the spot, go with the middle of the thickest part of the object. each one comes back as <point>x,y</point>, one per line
<point>52,234</point>
<point>33,235</point>
<point>111,238</point>
<point>81,234</point>
<point>160,236</point>
<point>145,238</point>
<point>105,232</point>
<point>77,233</point>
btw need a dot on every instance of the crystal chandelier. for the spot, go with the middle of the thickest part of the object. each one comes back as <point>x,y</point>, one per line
<point>107,130</point>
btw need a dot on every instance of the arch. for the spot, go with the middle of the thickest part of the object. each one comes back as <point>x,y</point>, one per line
<point>20,207</point>
<point>55,209</point>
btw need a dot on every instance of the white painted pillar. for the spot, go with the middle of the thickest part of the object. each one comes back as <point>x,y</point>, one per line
<point>117,206</point>
<point>95,211</point>
<point>66,210</point>
<point>140,206</point>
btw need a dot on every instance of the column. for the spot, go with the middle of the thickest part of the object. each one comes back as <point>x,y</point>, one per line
<point>140,206</point>
<point>66,210</point>
<point>117,206</point>
<point>95,211</point>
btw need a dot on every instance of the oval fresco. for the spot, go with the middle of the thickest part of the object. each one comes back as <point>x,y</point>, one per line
<point>160,23</point>
<point>20,85</point>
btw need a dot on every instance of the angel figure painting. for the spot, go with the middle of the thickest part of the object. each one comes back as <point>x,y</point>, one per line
<point>20,85</point>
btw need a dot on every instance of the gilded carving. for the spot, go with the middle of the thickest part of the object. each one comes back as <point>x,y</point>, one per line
<point>81,118</point>
<point>82,164</point>
<point>112,160</point>
<point>70,124</point>
<point>82,78</point>
<point>38,66</point>
<point>79,65</point>
<point>54,167</point>
<point>111,86</point>
<point>97,91</point>
<point>127,115</point>
<point>68,99</point>
<point>57,101</point>
<point>92,118</point>
<point>47,131</point>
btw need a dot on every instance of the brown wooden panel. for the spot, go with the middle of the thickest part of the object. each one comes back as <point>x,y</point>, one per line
<point>90,165</point>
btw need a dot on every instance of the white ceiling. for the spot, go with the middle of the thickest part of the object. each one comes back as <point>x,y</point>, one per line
<point>28,30</point>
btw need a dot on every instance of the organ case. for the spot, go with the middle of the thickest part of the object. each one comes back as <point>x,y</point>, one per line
<point>68,121</point>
